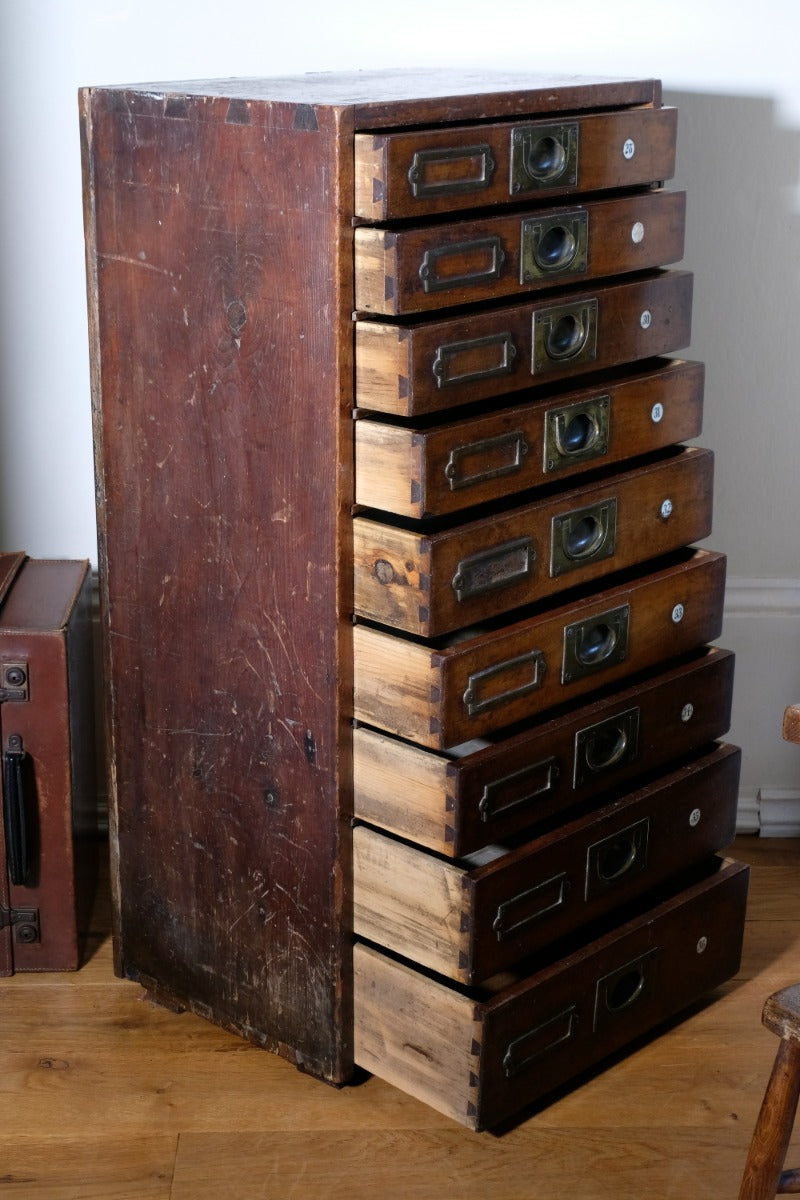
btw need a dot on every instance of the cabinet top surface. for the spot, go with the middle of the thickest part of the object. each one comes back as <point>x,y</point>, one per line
<point>382,97</point>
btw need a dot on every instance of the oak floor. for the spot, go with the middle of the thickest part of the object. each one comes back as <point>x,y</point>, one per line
<point>106,1096</point>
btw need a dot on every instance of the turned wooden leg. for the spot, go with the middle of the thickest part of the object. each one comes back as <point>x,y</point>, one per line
<point>774,1125</point>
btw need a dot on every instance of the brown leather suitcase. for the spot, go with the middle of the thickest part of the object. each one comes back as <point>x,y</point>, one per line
<point>47,720</point>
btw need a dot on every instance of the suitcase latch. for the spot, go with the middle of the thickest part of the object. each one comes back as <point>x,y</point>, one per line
<point>14,681</point>
<point>24,922</point>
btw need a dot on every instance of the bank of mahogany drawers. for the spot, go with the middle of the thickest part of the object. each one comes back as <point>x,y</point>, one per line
<point>519,543</point>
<point>438,788</point>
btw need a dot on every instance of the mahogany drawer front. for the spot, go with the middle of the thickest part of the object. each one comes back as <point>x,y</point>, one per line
<point>456,805</point>
<point>430,584</point>
<point>428,472</point>
<point>469,921</point>
<point>447,693</point>
<point>416,270</point>
<point>480,1057</point>
<point>430,171</point>
<point>422,366</point>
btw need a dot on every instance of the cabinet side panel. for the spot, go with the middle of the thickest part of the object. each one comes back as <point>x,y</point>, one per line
<point>219,417</point>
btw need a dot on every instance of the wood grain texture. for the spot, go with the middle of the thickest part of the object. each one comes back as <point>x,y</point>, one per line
<point>773,1128</point>
<point>539,1030</point>
<point>490,791</point>
<point>140,1102</point>
<point>472,919</point>
<point>435,582</point>
<point>430,471</point>
<point>445,693</point>
<point>484,155</point>
<point>423,367</point>
<point>791,723</point>
<point>417,270</point>
<point>217,389</point>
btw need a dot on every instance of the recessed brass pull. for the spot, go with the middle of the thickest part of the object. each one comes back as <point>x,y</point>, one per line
<point>553,246</point>
<point>482,262</point>
<point>544,156</point>
<point>583,536</point>
<point>620,989</point>
<point>576,433</point>
<point>606,745</point>
<point>618,857</point>
<point>595,643</point>
<point>566,333</point>
<point>451,171</point>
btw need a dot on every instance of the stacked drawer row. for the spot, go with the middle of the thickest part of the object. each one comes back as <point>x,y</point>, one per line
<point>539,790</point>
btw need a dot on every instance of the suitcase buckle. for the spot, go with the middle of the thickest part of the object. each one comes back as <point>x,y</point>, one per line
<point>14,681</point>
<point>24,922</point>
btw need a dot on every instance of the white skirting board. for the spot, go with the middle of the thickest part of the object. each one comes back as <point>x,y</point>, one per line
<point>762,626</point>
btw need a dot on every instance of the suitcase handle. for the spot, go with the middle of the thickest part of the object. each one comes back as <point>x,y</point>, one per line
<point>17,841</point>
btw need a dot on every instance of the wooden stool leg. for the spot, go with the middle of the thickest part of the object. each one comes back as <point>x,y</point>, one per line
<point>774,1125</point>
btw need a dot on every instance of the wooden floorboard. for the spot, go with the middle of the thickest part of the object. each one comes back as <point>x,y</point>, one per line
<point>107,1097</point>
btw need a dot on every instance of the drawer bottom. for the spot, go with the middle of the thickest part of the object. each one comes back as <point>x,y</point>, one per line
<point>481,1055</point>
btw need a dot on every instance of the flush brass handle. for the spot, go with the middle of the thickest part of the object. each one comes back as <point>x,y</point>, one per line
<point>564,333</point>
<point>582,536</point>
<point>576,433</point>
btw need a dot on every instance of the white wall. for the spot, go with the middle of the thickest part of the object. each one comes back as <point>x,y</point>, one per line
<point>730,66</point>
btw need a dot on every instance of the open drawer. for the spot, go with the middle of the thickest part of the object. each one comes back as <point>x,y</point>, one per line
<point>482,1055</point>
<point>470,918</point>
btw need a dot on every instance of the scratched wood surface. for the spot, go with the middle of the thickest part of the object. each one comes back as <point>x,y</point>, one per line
<point>109,1097</point>
<point>220,421</point>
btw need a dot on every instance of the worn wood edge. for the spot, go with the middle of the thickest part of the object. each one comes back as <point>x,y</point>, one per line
<point>343,690</point>
<point>782,1013</point>
<point>375,271</point>
<point>392,679</point>
<point>402,788</point>
<point>416,1034</point>
<point>387,467</point>
<point>391,571</point>
<point>86,98</point>
<point>383,368</point>
<point>409,901</point>
<point>369,156</point>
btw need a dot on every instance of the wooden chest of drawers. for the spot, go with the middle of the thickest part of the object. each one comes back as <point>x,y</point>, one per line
<point>412,710</point>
